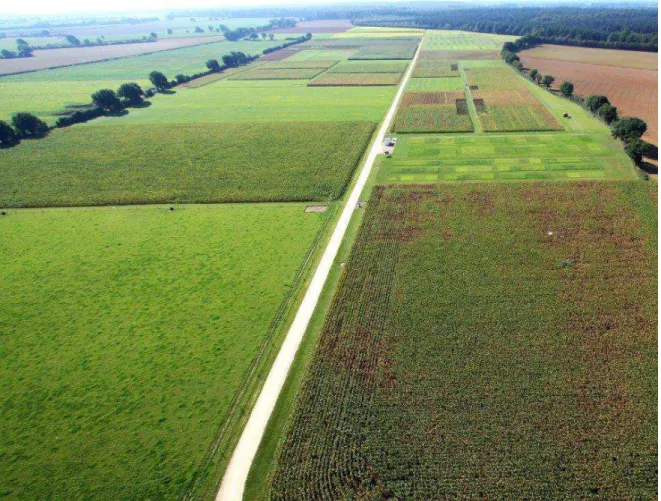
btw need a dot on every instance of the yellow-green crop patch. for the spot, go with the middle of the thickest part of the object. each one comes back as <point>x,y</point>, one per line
<point>447,40</point>
<point>290,64</point>
<point>126,336</point>
<point>222,162</point>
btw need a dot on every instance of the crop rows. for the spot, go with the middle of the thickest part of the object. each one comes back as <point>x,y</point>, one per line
<point>435,378</point>
<point>394,50</point>
<point>355,79</point>
<point>431,69</point>
<point>226,162</point>
<point>458,55</point>
<point>379,66</point>
<point>505,104</point>
<point>433,112</point>
<point>278,74</point>
<point>297,65</point>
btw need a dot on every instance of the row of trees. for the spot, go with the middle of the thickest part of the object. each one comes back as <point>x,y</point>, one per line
<point>107,101</point>
<point>629,130</point>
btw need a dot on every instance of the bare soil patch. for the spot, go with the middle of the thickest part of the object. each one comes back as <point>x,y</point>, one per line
<point>603,57</point>
<point>633,91</point>
<point>54,58</point>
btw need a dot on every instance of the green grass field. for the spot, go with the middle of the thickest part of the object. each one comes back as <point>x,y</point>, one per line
<point>507,349</point>
<point>126,333</point>
<point>381,66</point>
<point>193,163</point>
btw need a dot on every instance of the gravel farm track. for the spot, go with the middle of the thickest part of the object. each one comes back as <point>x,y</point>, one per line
<point>233,483</point>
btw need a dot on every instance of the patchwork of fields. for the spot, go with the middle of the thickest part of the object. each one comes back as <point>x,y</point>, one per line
<point>486,341</point>
<point>485,338</point>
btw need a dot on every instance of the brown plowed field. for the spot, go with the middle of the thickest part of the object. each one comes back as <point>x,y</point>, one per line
<point>633,91</point>
<point>603,57</point>
<point>321,26</point>
<point>53,58</point>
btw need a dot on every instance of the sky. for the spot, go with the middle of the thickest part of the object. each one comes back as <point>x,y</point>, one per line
<point>147,7</point>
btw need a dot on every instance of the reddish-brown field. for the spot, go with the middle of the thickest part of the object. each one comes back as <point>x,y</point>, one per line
<point>321,26</point>
<point>53,58</point>
<point>604,57</point>
<point>633,91</point>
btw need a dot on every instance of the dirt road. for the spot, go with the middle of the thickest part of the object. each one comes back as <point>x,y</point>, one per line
<point>235,477</point>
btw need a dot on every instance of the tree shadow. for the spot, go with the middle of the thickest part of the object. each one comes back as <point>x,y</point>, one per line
<point>168,91</point>
<point>119,113</point>
<point>648,168</point>
<point>143,104</point>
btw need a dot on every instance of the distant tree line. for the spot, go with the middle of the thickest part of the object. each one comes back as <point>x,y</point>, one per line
<point>89,22</point>
<point>605,26</point>
<point>630,29</point>
<point>629,130</point>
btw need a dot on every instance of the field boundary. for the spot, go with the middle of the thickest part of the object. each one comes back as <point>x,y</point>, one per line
<point>233,483</point>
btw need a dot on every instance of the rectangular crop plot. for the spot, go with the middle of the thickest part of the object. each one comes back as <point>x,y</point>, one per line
<point>432,69</point>
<point>278,74</point>
<point>210,162</point>
<point>486,341</point>
<point>370,67</point>
<point>505,157</point>
<point>144,323</point>
<point>392,50</point>
<point>426,98</point>
<point>289,64</point>
<point>459,55</point>
<point>355,79</point>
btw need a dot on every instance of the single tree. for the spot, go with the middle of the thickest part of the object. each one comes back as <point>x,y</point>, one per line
<point>153,35</point>
<point>25,51</point>
<point>7,134</point>
<point>210,28</point>
<point>169,31</point>
<point>636,150</point>
<point>7,54</point>
<point>213,65</point>
<point>28,125</point>
<point>533,74</point>
<point>72,40</point>
<point>594,102</point>
<point>567,88</point>
<point>254,36</point>
<point>608,113</point>
<point>87,41</point>
<point>198,30</point>
<point>263,36</point>
<point>159,80</point>
<point>517,66</point>
<point>271,36</point>
<point>181,78</point>
<point>547,80</point>
<point>107,100</point>
<point>20,41</point>
<point>131,92</point>
<point>629,129</point>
